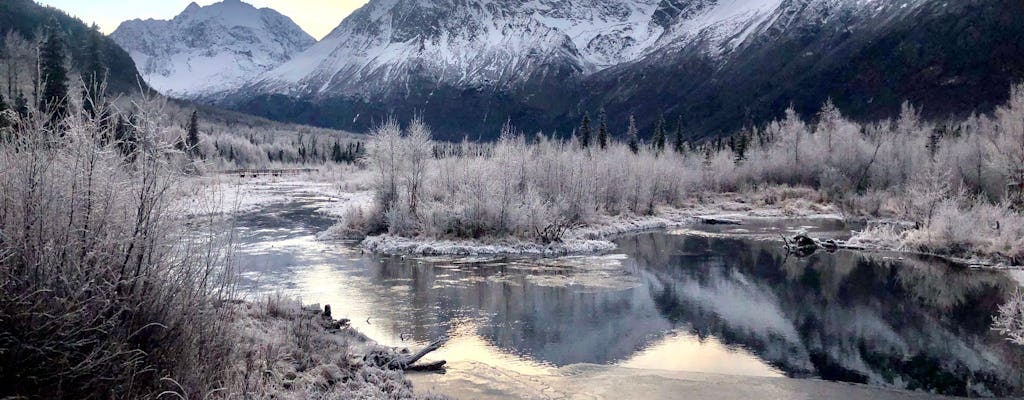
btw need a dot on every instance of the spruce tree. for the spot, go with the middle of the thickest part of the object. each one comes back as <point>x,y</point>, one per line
<point>679,145</point>
<point>585,132</point>
<point>54,73</point>
<point>124,136</point>
<point>93,71</point>
<point>3,115</point>
<point>632,135</point>
<point>192,141</point>
<point>21,105</point>
<point>933,143</point>
<point>336,153</point>
<point>739,145</point>
<point>659,136</point>
<point>602,131</point>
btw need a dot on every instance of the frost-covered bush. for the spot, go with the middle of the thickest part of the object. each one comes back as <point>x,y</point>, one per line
<point>103,292</point>
<point>1010,319</point>
<point>535,190</point>
<point>936,175</point>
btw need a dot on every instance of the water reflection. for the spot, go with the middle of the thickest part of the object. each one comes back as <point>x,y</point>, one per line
<point>671,301</point>
<point>911,323</point>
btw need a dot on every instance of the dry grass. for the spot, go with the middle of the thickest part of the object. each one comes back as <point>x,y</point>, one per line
<point>285,352</point>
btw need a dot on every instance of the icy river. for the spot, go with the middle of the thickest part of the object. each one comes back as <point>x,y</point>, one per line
<point>699,313</point>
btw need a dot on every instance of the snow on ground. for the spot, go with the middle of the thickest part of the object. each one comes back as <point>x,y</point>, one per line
<point>595,238</point>
<point>224,195</point>
<point>388,244</point>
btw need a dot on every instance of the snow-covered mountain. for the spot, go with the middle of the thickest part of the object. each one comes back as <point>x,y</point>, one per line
<point>468,66</point>
<point>211,49</point>
<point>502,43</point>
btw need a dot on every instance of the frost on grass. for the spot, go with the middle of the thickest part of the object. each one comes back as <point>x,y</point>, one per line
<point>284,351</point>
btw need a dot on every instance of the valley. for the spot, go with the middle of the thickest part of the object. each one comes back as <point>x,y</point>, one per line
<point>491,199</point>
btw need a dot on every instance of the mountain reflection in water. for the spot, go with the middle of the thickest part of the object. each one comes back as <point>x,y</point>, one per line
<point>910,323</point>
<point>668,301</point>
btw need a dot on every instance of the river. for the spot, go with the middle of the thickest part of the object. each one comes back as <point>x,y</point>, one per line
<point>689,310</point>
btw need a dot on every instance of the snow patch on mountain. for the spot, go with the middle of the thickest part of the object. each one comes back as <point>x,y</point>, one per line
<point>211,49</point>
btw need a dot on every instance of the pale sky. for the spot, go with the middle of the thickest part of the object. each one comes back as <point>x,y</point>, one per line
<point>316,17</point>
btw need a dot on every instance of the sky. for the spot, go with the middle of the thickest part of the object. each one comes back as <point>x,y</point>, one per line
<point>316,17</point>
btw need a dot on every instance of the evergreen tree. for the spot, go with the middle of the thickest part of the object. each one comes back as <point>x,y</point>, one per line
<point>585,132</point>
<point>192,140</point>
<point>632,134</point>
<point>124,136</point>
<point>934,140</point>
<point>659,139</point>
<point>679,145</point>
<point>336,153</point>
<point>3,114</point>
<point>179,144</point>
<point>93,71</point>
<point>739,145</point>
<point>602,131</point>
<point>21,105</point>
<point>54,73</point>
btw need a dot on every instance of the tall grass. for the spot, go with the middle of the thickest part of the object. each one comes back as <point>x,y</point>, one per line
<point>105,294</point>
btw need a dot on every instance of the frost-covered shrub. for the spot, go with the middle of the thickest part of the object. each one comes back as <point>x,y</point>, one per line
<point>1010,320</point>
<point>515,188</point>
<point>904,168</point>
<point>104,293</point>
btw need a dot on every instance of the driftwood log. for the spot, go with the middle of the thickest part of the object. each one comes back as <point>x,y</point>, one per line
<point>404,360</point>
<point>386,357</point>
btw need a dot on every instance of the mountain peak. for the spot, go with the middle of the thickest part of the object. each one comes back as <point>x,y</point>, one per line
<point>192,7</point>
<point>208,49</point>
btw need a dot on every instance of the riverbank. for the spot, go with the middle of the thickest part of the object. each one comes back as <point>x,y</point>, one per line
<point>988,240</point>
<point>286,351</point>
<point>595,237</point>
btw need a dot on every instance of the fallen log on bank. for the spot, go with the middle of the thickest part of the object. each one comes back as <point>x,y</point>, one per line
<point>381,356</point>
<point>427,367</point>
<point>404,360</point>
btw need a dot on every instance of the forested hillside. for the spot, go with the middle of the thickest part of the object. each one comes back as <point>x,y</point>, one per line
<point>88,50</point>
